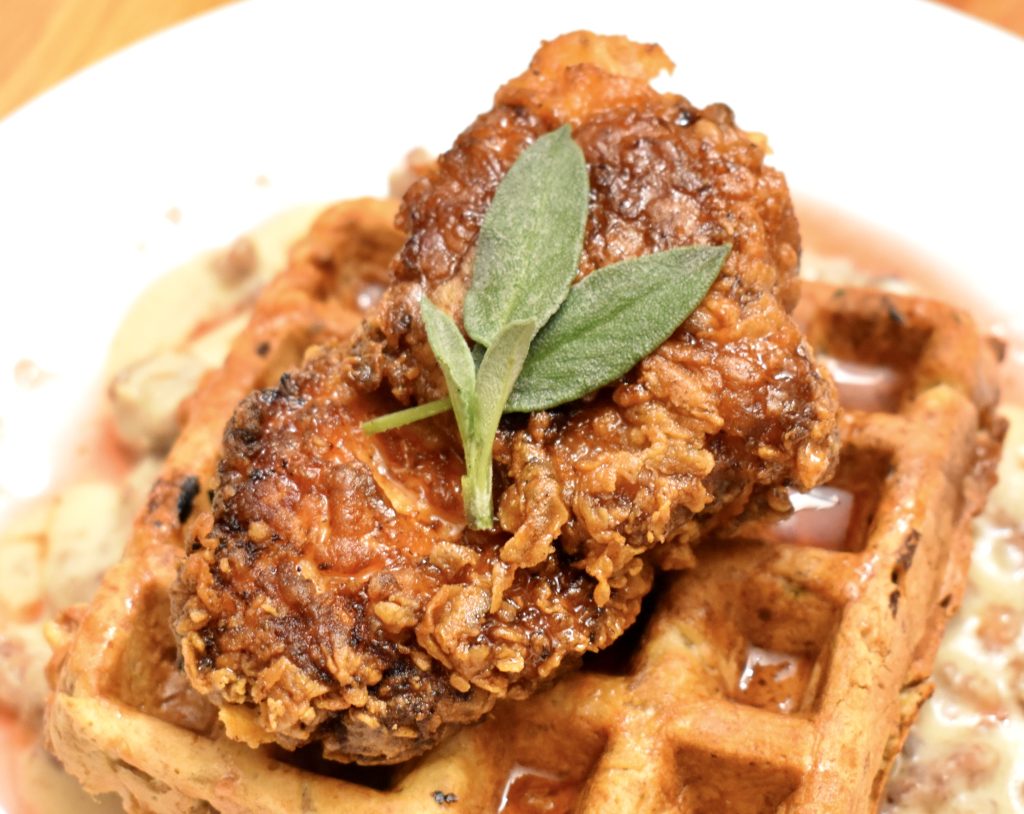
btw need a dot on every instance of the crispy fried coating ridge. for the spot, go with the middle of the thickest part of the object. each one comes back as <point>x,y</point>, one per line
<point>333,593</point>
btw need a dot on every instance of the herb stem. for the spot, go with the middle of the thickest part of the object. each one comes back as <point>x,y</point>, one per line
<point>407,416</point>
<point>477,486</point>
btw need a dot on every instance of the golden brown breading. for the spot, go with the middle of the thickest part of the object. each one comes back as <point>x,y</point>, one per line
<point>335,586</point>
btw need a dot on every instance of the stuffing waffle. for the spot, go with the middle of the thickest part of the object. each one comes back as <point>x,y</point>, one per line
<point>777,675</point>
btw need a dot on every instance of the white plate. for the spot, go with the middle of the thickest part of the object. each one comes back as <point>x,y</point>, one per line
<point>904,114</point>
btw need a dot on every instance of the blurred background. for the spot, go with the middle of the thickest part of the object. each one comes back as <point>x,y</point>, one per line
<point>44,41</point>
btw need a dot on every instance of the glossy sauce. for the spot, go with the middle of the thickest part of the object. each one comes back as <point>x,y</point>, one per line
<point>820,518</point>
<point>866,387</point>
<point>530,790</point>
<point>770,679</point>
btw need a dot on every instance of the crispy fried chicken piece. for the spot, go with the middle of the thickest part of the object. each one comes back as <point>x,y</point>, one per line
<point>334,593</point>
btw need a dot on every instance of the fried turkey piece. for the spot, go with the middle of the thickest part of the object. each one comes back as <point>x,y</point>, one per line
<point>335,594</point>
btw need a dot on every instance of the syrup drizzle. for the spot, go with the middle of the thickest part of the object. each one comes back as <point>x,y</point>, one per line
<point>874,388</point>
<point>821,517</point>
<point>773,679</point>
<point>529,790</point>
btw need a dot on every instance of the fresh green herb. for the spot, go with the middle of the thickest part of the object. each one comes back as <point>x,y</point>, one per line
<point>612,319</point>
<point>540,341</point>
<point>494,381</point>
<point>530,239</point>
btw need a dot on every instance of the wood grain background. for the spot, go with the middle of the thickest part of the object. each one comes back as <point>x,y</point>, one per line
<point>43,41</point>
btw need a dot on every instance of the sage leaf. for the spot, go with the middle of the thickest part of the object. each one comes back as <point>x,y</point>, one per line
<point>530,238</point>
<point>495,378</point>
<point>456,362</point>
<point>499,370</point>
<point>611,320</point>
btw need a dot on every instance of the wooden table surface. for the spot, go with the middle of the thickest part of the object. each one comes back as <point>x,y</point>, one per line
<point>43,41</point>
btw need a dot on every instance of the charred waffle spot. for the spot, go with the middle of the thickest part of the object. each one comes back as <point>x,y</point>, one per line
<point>907,550</point>
<point>905,557</point>
<point>263,348</point>
<point>189,490</point>
<point>894,601</point>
